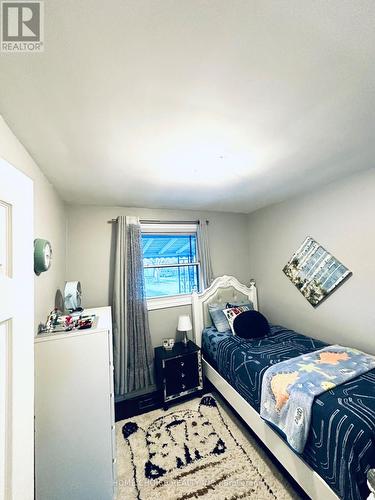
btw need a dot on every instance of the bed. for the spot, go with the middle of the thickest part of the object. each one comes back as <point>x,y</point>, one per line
<point>341,444</point>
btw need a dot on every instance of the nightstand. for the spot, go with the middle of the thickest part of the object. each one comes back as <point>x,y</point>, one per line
<point>178,371</point>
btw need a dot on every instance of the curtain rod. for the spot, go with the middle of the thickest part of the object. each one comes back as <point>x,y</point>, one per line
<point>153,221</point>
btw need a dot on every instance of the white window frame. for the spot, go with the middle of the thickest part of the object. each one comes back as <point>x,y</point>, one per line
<point>154,303</point>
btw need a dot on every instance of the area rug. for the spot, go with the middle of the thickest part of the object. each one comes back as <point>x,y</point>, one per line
<point>195,450</point>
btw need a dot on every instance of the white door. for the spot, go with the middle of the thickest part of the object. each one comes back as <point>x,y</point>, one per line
<point>16,335</point>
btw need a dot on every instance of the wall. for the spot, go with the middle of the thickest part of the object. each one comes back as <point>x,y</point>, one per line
<point>90,243</point>
<point>341,218</point>
<point>49,220</point>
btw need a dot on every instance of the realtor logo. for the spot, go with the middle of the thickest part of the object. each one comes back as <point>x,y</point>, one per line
<point>22,26</point>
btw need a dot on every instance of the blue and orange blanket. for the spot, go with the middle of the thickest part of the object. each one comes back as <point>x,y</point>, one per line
<point>289,387</point>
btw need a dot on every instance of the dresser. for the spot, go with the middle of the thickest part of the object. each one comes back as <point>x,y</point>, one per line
<point>74,413</point>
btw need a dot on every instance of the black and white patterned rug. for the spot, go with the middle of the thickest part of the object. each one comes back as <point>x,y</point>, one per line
<point>195,450</point>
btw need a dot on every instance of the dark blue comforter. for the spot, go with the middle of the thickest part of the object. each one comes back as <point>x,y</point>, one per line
<point>341,442</point>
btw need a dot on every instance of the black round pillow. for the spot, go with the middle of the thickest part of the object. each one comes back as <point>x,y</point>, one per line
<point>251,325</point>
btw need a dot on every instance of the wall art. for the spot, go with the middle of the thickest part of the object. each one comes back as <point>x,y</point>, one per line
<point>315,272</point>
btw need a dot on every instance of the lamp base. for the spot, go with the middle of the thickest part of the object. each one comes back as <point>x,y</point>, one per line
<point>185,339</point>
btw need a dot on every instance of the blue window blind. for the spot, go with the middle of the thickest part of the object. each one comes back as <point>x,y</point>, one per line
<point>171,265</point>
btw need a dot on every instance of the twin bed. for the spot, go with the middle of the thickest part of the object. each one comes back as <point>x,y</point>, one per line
<point>340,447</point>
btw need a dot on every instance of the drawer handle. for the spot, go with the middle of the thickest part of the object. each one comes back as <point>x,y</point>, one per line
<point>183,386</point>
<point>182,363</point>
<point>182,374</point>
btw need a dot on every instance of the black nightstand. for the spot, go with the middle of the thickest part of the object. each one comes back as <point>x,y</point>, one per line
<point>178,371</point>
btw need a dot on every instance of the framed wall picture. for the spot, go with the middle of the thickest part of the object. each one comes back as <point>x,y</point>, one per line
<point>315,272</point>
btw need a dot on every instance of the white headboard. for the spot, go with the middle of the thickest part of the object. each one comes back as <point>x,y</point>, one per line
<point>223,289</point>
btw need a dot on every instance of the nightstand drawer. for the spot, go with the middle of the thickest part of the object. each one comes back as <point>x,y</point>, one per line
<point>181,374</point>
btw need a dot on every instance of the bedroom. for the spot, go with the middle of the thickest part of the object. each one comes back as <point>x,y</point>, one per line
<point>241,128</point>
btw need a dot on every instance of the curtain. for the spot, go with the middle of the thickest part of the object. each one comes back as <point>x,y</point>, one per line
<point>204,253</point>
<point>132,348</point>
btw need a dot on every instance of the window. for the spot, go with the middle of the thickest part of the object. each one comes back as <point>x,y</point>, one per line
<point>170,259</point>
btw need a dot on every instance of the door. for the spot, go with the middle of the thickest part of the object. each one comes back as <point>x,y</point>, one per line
<point>16,335</point>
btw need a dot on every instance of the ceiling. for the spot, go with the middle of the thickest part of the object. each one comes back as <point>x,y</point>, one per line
<point>196,104</point>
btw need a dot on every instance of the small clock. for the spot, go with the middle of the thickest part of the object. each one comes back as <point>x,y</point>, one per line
<point>42,256</point>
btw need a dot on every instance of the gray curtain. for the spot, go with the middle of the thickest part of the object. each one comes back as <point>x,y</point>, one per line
<point>204,253</point>
<point>132,348</point>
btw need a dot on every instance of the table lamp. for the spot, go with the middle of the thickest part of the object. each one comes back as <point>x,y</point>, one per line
<point>184,325</point>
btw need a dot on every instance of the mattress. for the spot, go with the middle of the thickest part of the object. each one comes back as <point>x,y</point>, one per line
<point>341,442</point>
<point>210,339</point>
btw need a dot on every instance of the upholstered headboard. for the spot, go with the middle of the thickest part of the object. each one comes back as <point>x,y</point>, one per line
<point>224,289</point>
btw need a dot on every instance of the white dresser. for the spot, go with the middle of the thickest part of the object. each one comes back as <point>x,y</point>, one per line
<point>74,413</point>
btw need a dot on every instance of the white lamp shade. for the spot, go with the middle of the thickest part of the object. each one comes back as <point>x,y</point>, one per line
<point>184,323</point>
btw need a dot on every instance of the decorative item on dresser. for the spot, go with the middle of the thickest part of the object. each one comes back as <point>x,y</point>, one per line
<point>178,371</point>
<point>74,413</point>
<point>72,296</point>
<point>168,344</point>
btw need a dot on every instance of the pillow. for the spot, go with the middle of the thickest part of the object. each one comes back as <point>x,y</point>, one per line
<point>218,318</point>
<point>232,312</point>
<point>251,325</point>
<point>249,304</point>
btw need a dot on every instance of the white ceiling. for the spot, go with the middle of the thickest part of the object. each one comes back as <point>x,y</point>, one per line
<point>203,104</point>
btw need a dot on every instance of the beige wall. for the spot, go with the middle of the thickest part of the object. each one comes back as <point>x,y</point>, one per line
<point>90,253</point>
<point>341,218</point>
<point>49,220</point>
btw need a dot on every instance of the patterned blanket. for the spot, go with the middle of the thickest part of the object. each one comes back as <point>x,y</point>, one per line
<point>289,387</point>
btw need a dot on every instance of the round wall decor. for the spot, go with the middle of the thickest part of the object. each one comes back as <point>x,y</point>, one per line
<point>42,256</point>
